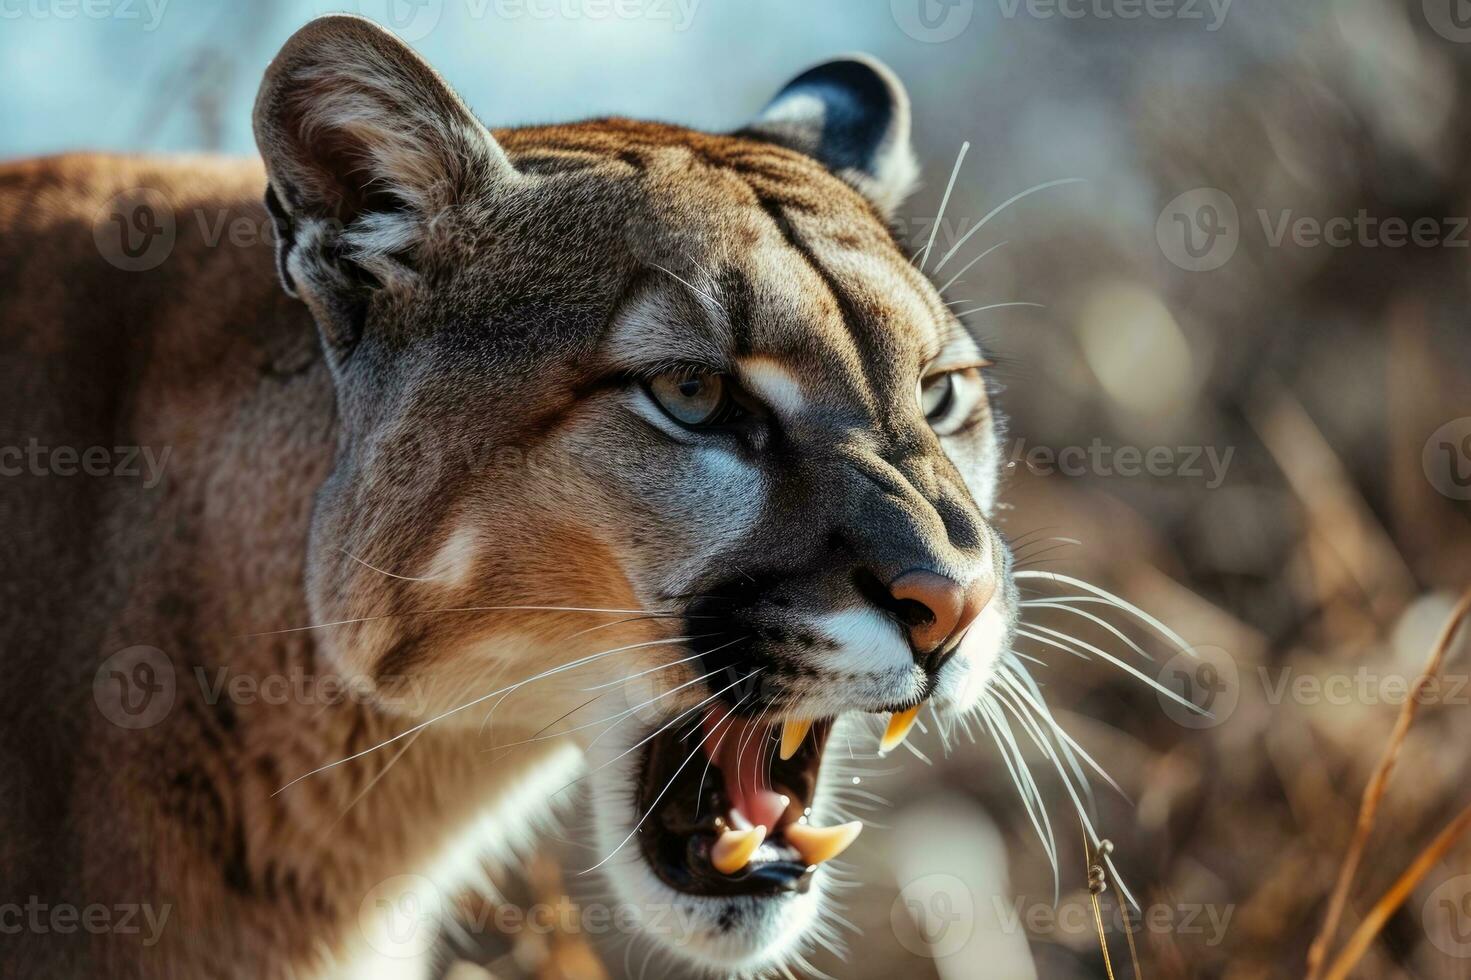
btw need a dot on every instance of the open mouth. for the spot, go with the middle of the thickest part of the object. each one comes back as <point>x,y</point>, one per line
<point>727,805</point>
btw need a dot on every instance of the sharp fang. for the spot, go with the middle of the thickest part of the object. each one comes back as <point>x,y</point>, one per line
<point>792,733</point>
<point>819,844</point>
<point>899,724</point>
<point>733,849</point>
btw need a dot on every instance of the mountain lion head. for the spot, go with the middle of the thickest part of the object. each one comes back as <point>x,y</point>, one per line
<point>652,440</point>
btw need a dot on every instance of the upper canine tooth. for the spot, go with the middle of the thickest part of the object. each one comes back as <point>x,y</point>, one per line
<point>733,849</point>
<point>792,733</point>
<point>899,724</point>
<point>819,844</point>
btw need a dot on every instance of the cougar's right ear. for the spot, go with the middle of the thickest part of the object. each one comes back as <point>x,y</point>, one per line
<point>364,146</point>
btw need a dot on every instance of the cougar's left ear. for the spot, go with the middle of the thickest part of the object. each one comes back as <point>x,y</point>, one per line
<point>852,115</point>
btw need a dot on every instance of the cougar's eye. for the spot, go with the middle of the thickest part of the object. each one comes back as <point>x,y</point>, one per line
<point>693,398</point>
<point>948,399</point>
<point>935,395</point>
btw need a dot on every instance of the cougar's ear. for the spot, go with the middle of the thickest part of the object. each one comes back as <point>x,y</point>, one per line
<point>364,146</point>
<point>851,114</point>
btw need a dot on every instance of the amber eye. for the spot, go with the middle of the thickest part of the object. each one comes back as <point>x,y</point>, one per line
<point>692,398</point>
<point>950,398</point>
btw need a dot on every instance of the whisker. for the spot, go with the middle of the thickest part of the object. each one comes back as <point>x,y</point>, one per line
<point>1110,658</point>
<point>457,609</point>
<point>1002,207</point>
<point>944,200</point>
<point>653,804</point>
<point>468,704</point>
<point>1123,604</point>
<point>996,306</point>
<point>966,268</point>
<point>381,571</point>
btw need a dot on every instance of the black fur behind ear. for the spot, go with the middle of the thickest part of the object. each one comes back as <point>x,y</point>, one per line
<point>851,114</point>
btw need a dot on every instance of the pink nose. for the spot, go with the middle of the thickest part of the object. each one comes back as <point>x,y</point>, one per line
<point>940,608</point>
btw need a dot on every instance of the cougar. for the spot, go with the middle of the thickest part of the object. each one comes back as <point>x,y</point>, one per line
<point>371,504</point>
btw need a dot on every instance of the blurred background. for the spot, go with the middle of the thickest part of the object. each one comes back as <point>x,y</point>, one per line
<point>1243,404</point>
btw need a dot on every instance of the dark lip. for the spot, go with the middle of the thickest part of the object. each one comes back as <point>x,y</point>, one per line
<point>676,835</point>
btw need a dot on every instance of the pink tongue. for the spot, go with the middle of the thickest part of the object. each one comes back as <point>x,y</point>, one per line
<point>740,749</point>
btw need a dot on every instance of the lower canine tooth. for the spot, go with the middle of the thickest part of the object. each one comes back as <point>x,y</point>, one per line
<point>899,724</point>
<point>733,849</point>
<point>792,733</point>
<point>819,844</point>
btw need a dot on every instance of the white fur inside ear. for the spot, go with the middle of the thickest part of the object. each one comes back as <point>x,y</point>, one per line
<point>896,177</point>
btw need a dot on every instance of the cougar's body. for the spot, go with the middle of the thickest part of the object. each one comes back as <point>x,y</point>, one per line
<point>391,499</point>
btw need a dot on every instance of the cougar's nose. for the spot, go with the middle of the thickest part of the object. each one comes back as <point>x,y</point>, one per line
<point>936,608</point>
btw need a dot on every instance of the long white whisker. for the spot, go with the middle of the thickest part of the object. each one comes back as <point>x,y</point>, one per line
<point>454,609</point>
<point>468,704</point>
<point>967,267</point>
<point>672,663</point>
<point>652,805</point>
<point>1068,608</point>
<point>663,728</point>
<point>954,172</point>
<point>996,306</point>
<point>1164,630</point>
<point>1002,207</point>
<point>1026,787</point>
<point>1096,651</point>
